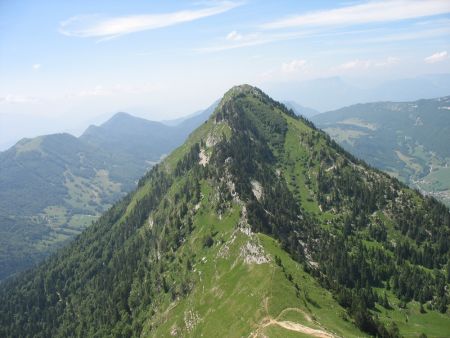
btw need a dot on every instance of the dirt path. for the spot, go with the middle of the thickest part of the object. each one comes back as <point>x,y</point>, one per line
<point>288,325</point>
<point>291,326</point>
<point>295,309</point>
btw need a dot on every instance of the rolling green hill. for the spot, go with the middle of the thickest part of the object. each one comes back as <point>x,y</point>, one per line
<point>259,225</point>
<point>409,140</point>
<point>53,186</point>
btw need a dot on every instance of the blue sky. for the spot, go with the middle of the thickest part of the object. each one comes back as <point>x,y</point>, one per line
<point>64,64</point>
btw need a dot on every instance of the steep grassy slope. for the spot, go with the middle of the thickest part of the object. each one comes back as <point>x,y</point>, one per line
<point>241,291</point>
<point>259,225</point>
<point>408,140</point>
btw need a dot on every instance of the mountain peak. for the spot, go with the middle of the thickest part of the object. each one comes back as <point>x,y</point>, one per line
<point>243,89</point>
<point>264,106</point>
<point>121,115</point>
<point>126,123</point>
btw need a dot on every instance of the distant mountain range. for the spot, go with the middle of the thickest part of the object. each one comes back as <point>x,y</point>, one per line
<point>336,92</point>
<point>409,140</point>
<point>53,186</point>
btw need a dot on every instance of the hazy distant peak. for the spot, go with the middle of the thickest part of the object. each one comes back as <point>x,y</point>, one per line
<point>58,137</point>
<point>300,109</point>
<point>120,118</point>
<point>121,115</point>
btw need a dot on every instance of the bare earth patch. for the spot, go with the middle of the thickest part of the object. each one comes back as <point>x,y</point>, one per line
<point>204,159</point>
<point>257,189</point>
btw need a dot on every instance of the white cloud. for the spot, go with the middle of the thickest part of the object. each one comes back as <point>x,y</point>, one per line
<point>36,66</point>
<point>412,35</point>
<point>110,27</point>
<point>293,66</point>
<point>17,99</point>
<point>96,91</point>
<point>293,69</point>
<point>251,39</point>
<point>422,30</point>
<point>437,57</point>
<point>234,36</point>
<point>236,40</point>
<point>101,90</point>
<point>356,64</point>
<point>368,12</point>
<point>360,65</point>
<point>389,61</point>
<point>235,44</point>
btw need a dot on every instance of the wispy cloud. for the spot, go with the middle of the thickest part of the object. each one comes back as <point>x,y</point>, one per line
<point>234,36</point>
<point>236,40</point>
<point>293,69</point>
<point>368,12</point>
<point>97,26</point>
<point>98,90</point>
<point>17,99</point>
<point>437,57</point>
<point>117,89</point>
<point>359,65</point>
<point>36,66</point>
<point>389,61</point>
<point>354,65</point>
<point>408,36</point>
<point>293,66</point>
